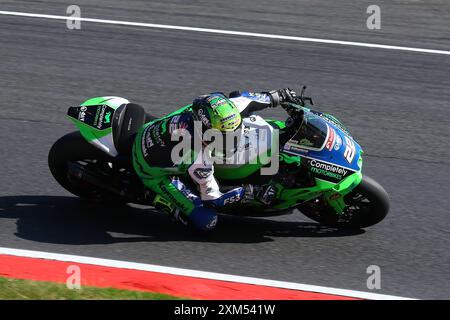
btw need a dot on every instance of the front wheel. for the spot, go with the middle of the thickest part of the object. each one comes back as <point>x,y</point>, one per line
<point>367,205</point>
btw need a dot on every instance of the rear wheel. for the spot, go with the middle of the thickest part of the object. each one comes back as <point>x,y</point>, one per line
<point>74,149</point>
<point>367,205</point>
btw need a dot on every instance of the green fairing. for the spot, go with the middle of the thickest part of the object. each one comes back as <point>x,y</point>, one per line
<point>332,192</point>
<point>97,101</point>
<point>88,132</point>
<point>277,123</point>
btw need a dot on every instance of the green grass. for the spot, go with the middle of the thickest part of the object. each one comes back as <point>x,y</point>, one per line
<point>15,289</point>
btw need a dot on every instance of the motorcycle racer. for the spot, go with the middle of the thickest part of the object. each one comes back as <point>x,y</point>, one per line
<point>153,163</point>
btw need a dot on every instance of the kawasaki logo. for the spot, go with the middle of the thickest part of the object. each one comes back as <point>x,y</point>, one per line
<point>108,117</point>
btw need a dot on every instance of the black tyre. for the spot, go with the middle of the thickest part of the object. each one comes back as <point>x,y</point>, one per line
<point>74,148</point>
<point>367,205</point>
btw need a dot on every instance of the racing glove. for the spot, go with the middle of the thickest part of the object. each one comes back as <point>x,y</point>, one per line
<point>279,97</point>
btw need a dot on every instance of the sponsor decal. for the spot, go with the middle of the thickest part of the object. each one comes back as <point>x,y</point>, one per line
<point>203,118</point>
<point>101,117</point>
<point>257,96</point>
<point>144,148</point>
<point>82,114</point>
<point>331,138</point>
<point>155,133</point>
<point>147,141</point>
<point>228,125</point>
<point>97,114</point>
<point>338,142</point>
<point>173,125</point>
<point>232,116</point>
<point>232,199</point>
<point>100,120</point>
<point>326,169</point>
<point>294,148</point>
<point>216,102</point>
<point>150,137</point>
<point>171,197</point>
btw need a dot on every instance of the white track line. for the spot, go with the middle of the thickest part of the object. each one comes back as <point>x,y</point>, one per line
<point>228,32</point>
<point>196,274</point>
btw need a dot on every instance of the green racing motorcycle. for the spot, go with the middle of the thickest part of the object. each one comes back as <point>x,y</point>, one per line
<point>319,169</point>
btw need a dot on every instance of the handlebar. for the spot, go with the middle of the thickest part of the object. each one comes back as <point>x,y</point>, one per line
<point>294,108</point>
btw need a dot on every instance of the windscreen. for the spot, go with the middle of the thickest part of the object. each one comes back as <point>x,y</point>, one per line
<point>312,133</point>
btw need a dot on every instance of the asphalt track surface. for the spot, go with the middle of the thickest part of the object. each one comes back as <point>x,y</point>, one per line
<point>395,103</point>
